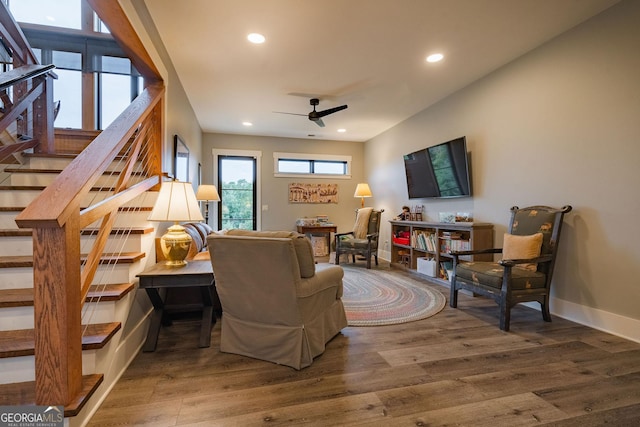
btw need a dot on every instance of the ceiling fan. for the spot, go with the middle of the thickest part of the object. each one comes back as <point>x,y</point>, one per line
<point>316,116</point>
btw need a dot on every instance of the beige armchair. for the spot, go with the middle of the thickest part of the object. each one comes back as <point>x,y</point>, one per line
<point>277,304</point>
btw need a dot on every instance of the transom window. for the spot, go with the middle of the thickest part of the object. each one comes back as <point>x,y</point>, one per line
<point>311,165</point>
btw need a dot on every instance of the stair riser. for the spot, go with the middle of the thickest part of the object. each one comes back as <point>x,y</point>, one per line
<point>23,245</point>
<point>44,179</point>
<point>58,163</point>
<point>19,369</point>
<point>7,220</point>
<point>22,317</point>
<point>16,278</point>
<point>22,198</point>
<point>124,220</point>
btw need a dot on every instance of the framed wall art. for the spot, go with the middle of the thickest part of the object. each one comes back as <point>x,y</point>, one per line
<point>313,193</point>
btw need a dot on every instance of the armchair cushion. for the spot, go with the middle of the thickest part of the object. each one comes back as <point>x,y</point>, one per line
<point>490,274</point>
<point>522,247</point>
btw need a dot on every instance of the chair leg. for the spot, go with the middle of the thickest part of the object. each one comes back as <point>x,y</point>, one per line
<point>546,315</point>
<point>353,258</point>
<point>337,260</point>
<point>453,297</point>
<point>368,261</point>
<point>376,258</point>
<point>505,315</point>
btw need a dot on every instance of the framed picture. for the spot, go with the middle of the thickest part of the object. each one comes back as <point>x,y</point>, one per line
<point>180,159</point>
<point>313,193</point>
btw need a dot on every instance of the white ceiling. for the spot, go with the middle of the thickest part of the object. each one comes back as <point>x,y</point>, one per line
<point>369,54</point>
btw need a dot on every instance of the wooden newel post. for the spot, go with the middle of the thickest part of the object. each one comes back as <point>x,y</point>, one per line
<point>58,333</point>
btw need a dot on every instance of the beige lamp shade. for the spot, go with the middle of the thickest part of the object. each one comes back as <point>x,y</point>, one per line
<point>362,191</point>
<point>176,202</point>
<point>207,193</point>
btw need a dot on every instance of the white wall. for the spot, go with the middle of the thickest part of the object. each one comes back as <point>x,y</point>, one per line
<point>558,126</point>
<point>282,215</point>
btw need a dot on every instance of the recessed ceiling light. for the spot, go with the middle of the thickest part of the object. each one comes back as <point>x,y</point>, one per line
<point>342,130</point>
<point>256,38</point>
<point>247,124</point>
<point>435,57</point>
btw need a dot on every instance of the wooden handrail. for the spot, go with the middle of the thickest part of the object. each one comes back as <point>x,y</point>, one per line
<point>25,72</point>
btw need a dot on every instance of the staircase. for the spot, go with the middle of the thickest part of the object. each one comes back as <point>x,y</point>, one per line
<point>114,315</point>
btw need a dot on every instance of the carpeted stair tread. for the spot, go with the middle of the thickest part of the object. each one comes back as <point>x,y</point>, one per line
<point>20,342</point>
<point>27,260</point>
<point>25,394</point>
<point>23,297</point>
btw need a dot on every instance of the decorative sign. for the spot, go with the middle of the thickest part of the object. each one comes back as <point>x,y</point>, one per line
<point>313,193</point>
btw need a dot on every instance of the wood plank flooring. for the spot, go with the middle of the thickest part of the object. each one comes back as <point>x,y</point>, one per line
<point>456,368</point>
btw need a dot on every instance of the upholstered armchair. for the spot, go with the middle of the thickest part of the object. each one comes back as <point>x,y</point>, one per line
<point>363,239</point>
<point>277,304</point>
<point>525,271</point>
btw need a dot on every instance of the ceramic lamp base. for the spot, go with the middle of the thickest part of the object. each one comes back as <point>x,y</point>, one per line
<point>175,246</point>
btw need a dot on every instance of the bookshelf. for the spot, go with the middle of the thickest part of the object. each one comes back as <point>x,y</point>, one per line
<point>412,242</point>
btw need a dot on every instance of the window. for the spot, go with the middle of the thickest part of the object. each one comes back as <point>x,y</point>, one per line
<point>96,80</point>
<point>59,13</point>
<point>311,165</point>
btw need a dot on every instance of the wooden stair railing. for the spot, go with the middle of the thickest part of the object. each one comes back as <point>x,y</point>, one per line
<point>56,219</point>
<point>37,78</point>
<point>32,86</point>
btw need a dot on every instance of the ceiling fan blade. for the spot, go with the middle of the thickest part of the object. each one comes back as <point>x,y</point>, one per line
<point>330,111</point>
<point>319,122</point>
<point>293,114</point>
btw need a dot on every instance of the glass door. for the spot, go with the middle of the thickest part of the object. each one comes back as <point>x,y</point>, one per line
<point>238,192</point>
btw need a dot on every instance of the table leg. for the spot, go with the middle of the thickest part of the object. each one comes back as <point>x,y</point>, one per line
<point>156,320</point>
<point>207,316</point>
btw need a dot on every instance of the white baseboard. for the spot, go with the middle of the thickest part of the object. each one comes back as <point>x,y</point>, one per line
<point>615,324</point>
<point>601,320</point>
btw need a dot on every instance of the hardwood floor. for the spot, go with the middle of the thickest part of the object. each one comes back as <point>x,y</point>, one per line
<point>456,368</point>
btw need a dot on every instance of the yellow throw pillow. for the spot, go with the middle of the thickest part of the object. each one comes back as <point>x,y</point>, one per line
<point>522,247</point>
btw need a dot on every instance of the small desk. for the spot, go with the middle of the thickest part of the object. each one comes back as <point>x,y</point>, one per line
<point>158,278</point>
<point>323,230</point>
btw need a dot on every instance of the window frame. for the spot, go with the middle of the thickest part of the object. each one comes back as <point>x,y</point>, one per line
<point>312,158</point>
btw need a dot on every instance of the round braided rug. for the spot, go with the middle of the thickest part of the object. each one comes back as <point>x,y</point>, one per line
<point>378,297</point>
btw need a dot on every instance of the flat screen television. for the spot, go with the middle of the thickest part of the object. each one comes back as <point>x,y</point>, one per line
<point>440,171</point>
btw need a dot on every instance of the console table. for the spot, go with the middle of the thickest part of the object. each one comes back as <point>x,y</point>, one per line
<point>322,230</point>
<point>158,278</point>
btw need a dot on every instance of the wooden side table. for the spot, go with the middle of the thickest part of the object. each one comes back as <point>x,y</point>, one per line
<point>158,278</point>
<point>323,230</point>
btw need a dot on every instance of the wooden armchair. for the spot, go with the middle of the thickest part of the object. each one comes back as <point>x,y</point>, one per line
<point>363,239</point>
<point>525,272</point>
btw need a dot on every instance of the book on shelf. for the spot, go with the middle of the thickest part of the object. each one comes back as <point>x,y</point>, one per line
<point>423,240</point>
<point>448,245</point>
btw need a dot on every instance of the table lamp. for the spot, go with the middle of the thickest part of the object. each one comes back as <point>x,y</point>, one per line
<point>362,191</point>
<point>207,193</point>
<point>176,202</point>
